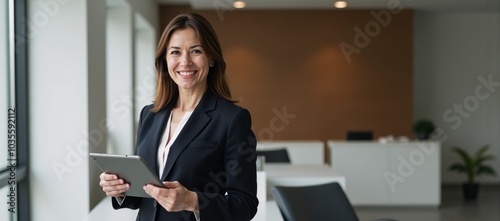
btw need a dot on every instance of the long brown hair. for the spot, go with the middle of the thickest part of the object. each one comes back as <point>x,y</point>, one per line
<point>166,89</point>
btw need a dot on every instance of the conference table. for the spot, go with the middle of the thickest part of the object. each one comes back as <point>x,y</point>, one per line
<point>275,174</point>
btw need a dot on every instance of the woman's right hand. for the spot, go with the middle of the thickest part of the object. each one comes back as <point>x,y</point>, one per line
<point>112,185</point>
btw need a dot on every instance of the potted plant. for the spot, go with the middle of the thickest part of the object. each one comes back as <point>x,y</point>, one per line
<point>423,129</point>
<point>473,166</point>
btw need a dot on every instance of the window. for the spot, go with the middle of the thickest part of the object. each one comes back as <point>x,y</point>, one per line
<point>14,183</point>
<point>4,88</point>
<point>5,100</point>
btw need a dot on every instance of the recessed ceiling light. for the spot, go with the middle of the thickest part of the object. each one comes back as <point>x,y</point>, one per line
<point>340,4</point>
<point>239,4</point>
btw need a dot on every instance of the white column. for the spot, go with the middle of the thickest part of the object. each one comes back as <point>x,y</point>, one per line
<point>145,77</point>
<point>67,104</point>
<point>119,38</point>
<point>96,65</point>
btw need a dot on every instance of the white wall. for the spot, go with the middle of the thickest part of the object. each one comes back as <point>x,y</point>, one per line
<point>453,54</point>
<point>96,92</point>
<point>148,9</point>
<point>67,79</point>
<point>144,56</point>
<point>119,38</point>
<point>59,110</point>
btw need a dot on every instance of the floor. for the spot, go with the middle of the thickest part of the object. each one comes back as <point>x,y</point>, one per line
<point>453,208</point>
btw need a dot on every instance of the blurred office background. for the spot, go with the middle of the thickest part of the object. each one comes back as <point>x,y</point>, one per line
<point>78,73</point>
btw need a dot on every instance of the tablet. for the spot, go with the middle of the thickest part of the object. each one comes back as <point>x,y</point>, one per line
<point>131,168</point>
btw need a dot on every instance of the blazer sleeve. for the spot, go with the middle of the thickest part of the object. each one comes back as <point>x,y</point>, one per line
<point>129,202</point>
<point>240,202</point>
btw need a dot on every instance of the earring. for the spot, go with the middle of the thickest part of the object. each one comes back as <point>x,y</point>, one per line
<point>212,63</point>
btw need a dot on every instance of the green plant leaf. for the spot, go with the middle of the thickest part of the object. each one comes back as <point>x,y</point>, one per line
<point>424,126</point>
<point>486,170</point>
<point>482,159</point>
<point>468,162</point>
<point>473,165</point>
<point>457,167</point>
<point>481,151</point>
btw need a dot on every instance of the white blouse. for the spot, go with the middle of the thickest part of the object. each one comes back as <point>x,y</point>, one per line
<point>164,147</point>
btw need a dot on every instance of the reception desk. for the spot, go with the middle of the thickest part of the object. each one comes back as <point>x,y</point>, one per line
<point>395,173</point>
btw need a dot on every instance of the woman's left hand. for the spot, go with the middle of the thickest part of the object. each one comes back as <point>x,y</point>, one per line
<point>174,197</point>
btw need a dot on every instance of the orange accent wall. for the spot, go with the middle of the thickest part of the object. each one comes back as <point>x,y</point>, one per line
<point>289,62</point>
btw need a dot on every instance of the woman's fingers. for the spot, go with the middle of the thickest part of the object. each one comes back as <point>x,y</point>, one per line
<point>174,197</point>
<point>116,190</point>
<point>155,192</point>
<point>112,185</point>
<point>106,176</point>
<point>105,183</point>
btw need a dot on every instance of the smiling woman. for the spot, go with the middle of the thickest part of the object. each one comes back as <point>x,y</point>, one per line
<point>196,140</point>
<point>187,62</point>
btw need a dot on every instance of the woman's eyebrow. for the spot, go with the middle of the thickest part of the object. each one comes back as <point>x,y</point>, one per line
<point>176,47</point>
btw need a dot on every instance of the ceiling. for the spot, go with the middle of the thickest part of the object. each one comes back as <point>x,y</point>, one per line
<point>427,5</point>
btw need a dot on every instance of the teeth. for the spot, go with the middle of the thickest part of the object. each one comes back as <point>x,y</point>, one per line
<point>186,73</point>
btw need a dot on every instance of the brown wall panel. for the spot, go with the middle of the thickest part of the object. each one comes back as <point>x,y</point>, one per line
<point>290,61</point>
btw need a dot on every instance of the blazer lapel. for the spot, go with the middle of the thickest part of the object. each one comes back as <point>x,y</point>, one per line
<point>154,140</point>
<point>198,120</point>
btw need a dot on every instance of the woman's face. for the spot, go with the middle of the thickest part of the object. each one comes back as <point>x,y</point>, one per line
<point>188,64</point>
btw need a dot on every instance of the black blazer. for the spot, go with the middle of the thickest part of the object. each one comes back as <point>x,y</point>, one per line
<point>214,154</point>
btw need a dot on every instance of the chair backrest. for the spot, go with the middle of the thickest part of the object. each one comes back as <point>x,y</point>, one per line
<point>275,155</point>
<point>326,202</point>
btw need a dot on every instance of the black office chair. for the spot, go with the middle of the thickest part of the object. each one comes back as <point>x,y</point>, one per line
<point>326,202</point>
<point>275,155</point>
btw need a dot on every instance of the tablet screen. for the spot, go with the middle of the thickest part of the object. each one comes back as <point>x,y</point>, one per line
<point>131,168</point>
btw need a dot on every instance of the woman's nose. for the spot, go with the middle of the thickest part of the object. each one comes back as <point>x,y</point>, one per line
<point>185,60</point>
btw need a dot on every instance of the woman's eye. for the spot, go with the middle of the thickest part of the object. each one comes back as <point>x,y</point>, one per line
<point>196,52</point>
<point>174,52</point>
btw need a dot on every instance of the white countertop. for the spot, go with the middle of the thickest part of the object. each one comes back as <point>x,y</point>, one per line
<point>300,175</point>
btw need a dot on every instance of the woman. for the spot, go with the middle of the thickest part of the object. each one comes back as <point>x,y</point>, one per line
<point>195,137</point>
